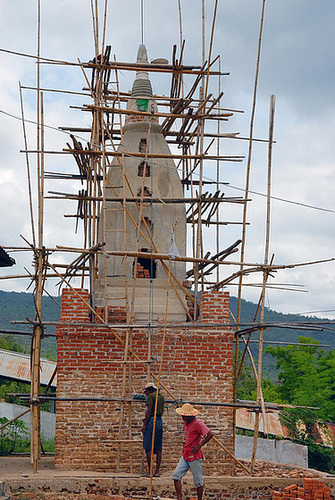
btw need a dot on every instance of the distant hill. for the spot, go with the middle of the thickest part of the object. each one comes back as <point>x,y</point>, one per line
<point>288,335</point>
<point>19,306</point>
<point>15,306</point>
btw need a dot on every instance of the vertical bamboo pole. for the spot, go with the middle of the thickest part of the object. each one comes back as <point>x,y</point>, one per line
<point>197,230</point>
<point>104,28</point>
<point>265,276</point>
<point>181,42</point>
<point>36,340</point>
<point>28,169</point>
<point>129,330</point>
<point>159,380</point>
<point>36,344</point>
<point>246,196</point>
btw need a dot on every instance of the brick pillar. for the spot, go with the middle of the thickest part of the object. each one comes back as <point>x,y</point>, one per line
<point>74,307</point>
<point>214,307</point>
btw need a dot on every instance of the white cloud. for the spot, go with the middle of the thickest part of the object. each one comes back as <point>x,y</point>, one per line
<point>297,64</point>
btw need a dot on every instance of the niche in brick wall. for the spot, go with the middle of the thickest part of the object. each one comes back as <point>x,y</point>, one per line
<point>145,268</point>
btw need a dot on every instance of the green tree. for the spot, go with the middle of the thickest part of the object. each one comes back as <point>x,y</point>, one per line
<point>13,387</point>
<point>306,378</point>
<point>7,342</point>
<point>246,381</point>
<point>12,435</point>
<point>247,387</point>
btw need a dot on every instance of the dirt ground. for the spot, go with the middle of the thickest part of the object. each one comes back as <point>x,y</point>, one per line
<point>20,465</point>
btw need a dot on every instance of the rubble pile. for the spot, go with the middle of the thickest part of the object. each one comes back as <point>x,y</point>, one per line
<point>312,489</point>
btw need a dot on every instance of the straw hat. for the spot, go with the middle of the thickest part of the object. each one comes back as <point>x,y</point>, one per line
<point>187,410</point>
<point>150,384</point>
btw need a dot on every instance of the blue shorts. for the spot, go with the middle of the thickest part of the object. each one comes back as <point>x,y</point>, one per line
<point>147,436</point>
<point>183,467</point>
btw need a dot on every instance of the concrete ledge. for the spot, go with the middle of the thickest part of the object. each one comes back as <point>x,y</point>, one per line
<point>258,488</point>
<point>18,475</point>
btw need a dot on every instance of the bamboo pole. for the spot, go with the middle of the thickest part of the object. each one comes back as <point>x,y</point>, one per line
<point>14,419</point>
<point>28,169</point>
<point>128,342</point>
<point>154,68</point>
<point>36,339</point>
<point>240,404</point>
<point>265,277</point>
<point>247,183</point>
<point>159,380</point>
<point>158,114</point>
<point>231,455</point>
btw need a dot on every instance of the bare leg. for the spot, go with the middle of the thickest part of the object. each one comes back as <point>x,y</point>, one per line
<point>158,461</point>
<point>200,491</point>
<point>177,485</point>
<point>148,453</point>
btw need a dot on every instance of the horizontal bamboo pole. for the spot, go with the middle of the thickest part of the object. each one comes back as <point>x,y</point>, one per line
<point>256,266</point>
<point>134,155</point>
<point>182,116</point>
<point>149,199</point>
<point>306,325</point>
<point>194,70</point>
<point>137,154</point>
<point>226,404</point>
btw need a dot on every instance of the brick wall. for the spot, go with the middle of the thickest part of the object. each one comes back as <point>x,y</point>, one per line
<point>197,366</point>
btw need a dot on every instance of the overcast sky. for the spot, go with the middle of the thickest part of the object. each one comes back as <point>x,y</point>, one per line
<point>297,65</point>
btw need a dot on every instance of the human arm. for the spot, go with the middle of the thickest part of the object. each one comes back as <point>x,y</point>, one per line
<point>146,418</point>
<point>205,440</point>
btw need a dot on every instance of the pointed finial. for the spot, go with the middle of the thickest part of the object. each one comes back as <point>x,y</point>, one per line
<point>142,85</point>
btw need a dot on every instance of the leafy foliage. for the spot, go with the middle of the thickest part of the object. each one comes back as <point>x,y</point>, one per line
<point>13,387</point>
<point>13,439</point>
<point>11,436</point>
<point>321,458</point>
<point>10,344</point>
<point>306,378</point>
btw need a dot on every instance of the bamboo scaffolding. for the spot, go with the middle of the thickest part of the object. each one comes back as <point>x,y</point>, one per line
<point>184,118</point>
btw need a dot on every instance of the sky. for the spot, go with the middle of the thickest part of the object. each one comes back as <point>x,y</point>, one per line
<point>297,65</point>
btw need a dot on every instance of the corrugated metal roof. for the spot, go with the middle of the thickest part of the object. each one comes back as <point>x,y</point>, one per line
<point>245,419</point>
<point>16,366</point>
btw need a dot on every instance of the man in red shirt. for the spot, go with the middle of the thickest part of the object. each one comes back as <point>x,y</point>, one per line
<point>196,435</point>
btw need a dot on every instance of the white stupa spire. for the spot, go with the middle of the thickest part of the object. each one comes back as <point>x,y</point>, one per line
<point>142,85</point>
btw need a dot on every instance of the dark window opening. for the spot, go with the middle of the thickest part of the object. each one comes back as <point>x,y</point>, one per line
<point>142,146</point>
<point>145,268</point>
<point>143,166</point>
<point>148,222</point>
<point>146,192</point>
